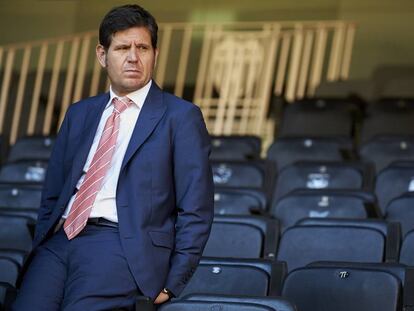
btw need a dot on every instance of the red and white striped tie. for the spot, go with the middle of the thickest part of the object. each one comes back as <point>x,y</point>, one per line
<point>91,185</point>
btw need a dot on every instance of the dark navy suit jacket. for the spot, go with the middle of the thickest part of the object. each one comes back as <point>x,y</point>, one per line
<point>165,191</point>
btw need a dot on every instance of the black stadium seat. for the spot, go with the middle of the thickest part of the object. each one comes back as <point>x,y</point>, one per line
<point>9,270</point>
<point>393,181</point>
<point>407,249</point>
<point>319,204</point>
<point>227,276</point>
<point>275,303</point>
<point>20,200</point>
<point>318,117</point>
<point>235,147</point>
<point>323,175</point>
<point>384,150</point>
<point>315,239</point>
<point>257,174</point>
<point>402,272</point>
<point>208,306</point>
<point>242,237</point>
<point>233,201</point>
<point>401,209</point>
<point>31,148</point>
<point>288,150</point>
<point>388,116</point>
<point>15,233</point>
<point>30,172</point>
<point>342,289</point>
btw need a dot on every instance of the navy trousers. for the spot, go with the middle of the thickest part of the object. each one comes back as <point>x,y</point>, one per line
<point>89,272</point>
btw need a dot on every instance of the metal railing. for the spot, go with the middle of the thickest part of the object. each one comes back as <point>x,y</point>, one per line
<point>231,70</point>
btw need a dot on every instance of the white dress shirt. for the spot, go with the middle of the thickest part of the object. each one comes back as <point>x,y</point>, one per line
<point>105,202</point>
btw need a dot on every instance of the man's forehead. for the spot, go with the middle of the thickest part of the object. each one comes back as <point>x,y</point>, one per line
<point>132,35</point>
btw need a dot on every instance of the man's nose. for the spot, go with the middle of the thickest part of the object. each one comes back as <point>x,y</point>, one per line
<point>133,54</point>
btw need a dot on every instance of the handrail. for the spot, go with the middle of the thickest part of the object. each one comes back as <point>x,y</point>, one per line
<point>39,79</point>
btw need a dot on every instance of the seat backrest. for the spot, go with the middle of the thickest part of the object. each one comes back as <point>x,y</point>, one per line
<point>31,148</point>
<point>401,210</point>
<point>407,249</point>
<point>388,116</point>
<point>301,245</point>
<point>231,201</point>
<point>254,277</point>
<point>15,196</point>
<point>390,230</point>
<point>208,306</point>
<point>33,172</point>
<point>322,175</point>
<point>235,147</point>
<point>18,256</point>
<point>9,271</point>
<point>317,204</point>
<point>318,117</point>
<point>393,181</point>
<point>14,233</point>
<point>342,289</point>
<point>286,151</point>
<point>242,237</point>
<point>276,303</point>
<point>383,150</point>
<point>251,174</point>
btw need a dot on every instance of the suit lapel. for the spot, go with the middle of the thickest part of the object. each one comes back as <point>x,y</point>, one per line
<point>151,113</point>
<point>92,118</point>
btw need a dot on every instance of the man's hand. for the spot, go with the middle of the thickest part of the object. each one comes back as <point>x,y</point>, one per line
<point>161,298</point>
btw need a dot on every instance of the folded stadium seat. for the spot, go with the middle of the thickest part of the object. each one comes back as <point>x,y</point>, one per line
<point>382,151</point>
<point>354,240</point>
<point>29,173</point>
<point>31,148</point>
<point>235,147</point>
<point>208,306</point>
<point>388,116</point>
<point>342,289</point>
<point>230,276</point>
<point>20,200</point>
<point>401,209</point>
<point>319,117</point>
<point>275,303</point>
<point>232,201</point>
<point>402,272</point>
<point>9,271</point>
<point>243,237</point>
<point>407,249</point>
<point>257,174</point>
<point>322,204</point>
<point>288,150</point>
<point>7,295</point>
<point>393,181</point>
<point>323,175</point>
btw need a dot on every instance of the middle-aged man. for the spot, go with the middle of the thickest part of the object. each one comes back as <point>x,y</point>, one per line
<point>127,204</point>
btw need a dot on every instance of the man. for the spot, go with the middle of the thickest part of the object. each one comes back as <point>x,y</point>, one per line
<point>128,199</point>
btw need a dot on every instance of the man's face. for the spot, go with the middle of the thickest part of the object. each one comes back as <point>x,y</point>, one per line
<point>129,60</point>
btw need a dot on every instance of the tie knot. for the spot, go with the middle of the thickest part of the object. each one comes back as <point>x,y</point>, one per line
<point>120,104</point>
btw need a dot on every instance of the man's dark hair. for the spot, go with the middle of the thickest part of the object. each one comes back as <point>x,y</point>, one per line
<point>125,17</point>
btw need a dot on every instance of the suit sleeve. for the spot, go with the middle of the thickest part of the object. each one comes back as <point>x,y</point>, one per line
<point>54,180</point>
<point>194,197</point>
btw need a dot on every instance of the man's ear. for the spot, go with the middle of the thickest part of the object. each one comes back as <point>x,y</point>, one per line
<point>101,55</point>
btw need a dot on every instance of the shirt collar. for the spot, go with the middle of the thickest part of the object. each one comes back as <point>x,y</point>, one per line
<point>138,96</point>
